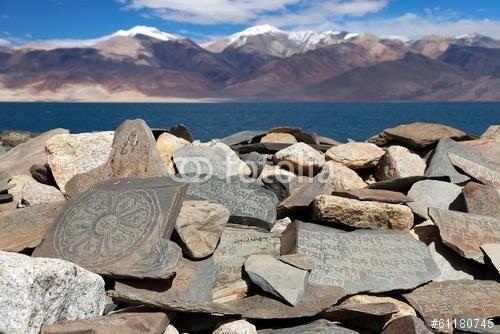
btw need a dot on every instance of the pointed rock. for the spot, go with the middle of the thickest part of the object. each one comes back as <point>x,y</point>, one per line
<point>407,325</point>
<point>492,133</point>
<point>399,162</point>
<point>167,145</point>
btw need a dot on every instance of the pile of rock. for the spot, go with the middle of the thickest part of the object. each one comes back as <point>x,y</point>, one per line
<point>141,231</point>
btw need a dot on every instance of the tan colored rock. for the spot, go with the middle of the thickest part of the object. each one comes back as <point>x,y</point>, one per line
<point>420,135</point>
<point>300,158</point>
<point>281,224</point>
<point>236,327</point>
<point>403,309</point>
<point>200,225</point>
<point>362,214</point>
<point>276,137</point>
<point>27,191</point>
<point>399,162</point>
<point>356,155</point>
<point>492,133</point>
<point>72,154</point>
<point>167,144</point>
<point>339,177</point>
<point>230,291</point>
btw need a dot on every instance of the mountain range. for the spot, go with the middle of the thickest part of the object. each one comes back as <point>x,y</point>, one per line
<point>260,63</point>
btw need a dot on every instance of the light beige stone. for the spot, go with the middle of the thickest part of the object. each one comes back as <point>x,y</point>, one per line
<point>300,158</point>
<point>340,177</point>
<point>399,162</point>
<point>27,191</point>
<point>276,137</point>
<point>72,154</point>
<point>236,327</point>
<point>167,144</point>
<point>171,330</point>
<point>492,133</point>
<point>403,309</point>
<point>362,214</point>
<point>356,155</point>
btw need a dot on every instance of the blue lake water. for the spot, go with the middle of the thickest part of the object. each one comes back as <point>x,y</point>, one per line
<point>337,120</point>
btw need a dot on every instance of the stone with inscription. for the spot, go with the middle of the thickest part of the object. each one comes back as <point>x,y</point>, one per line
<point>482,200</point>
<point>25,228</point>
<point>440,165</point>
<point>362,214</point>
<point>378,195</point>
<point>485,173</point>
<point>301,261</point>
<point>120,228</point>
<point>492,251</point>
<point>133,154</point>
<point>399,162</point>
<point>466,233</point>
<point>489,149</point>
<point>236,244</point>
<point>248,203</point>
<point>320,326</point>
<point>421,135</point>
<point>465,323</point>
<point>356,155</point>
<point>277,278</point>
<point>408,325</point>
<point>434,194</point>
<point>365,260</point>
<point>444,300</point>
<point>43,174</point>
<point>279,181</point>
<point>199,226</point>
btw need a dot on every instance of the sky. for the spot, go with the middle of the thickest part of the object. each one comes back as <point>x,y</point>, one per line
<point>25,21</point>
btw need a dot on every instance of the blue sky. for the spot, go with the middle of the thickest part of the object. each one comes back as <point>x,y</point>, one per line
<point>23,21</point>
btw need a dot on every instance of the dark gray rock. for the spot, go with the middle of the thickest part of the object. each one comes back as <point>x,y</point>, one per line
<point>243,137</point>
<point>379,195</point>
<point>256,162</point>
<point>181,131</point>
<point>404,184</point>
<point>406,325</point>
<point>43,174</point>
<point>464,323</point>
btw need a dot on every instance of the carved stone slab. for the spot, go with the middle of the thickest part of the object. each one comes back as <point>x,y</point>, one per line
<point>444,300</point>
<point>465,233</point>
<point>236,244</point>
<point>365,260</point>
<point>483,173</point>
<point>248,203</point>
<point>482,200</point>
<point>121,229</point>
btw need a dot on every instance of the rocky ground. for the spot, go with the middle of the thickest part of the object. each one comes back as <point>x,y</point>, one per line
<point>278,231</point>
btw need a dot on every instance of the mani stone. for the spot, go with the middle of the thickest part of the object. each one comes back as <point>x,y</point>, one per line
<point>365,260</point>
<point>279,181</point>
<point>482,200</point>
<point>356,155</point>
<point>444,300</point>
<point>339,177</point>
<point>407,325</point>
<point>277,278</point>
<point>133,155</point>
<point>492,133</point>
<point>362,214</point>
<point>132,321</point>
<point>25,228</point>
<point>38,291</point>
<point>301,261</point>
<point>492,251</point>
<point>248,203</point>
<point>28,192</point>
<point>421,135</point>
<point>276,137</point>
<point>120,228</point>
<point>300,158</point>
<point>199,226</point>
<point>440,164</point>
<point>320,326</point>
<point>377,195</point>
<point>482,173</point>
<point>448,272</point>
<point>19,159</point>
<point>236,244</point>
<point>257,162</point>
<point>72,154</point>
<point>399,162</point>
<point>167,145</point>
<point>433,194</point>
<point>466,233</point>
<point>236,327</point>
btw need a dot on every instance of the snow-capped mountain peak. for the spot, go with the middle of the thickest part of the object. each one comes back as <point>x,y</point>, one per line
<point>146,31</point>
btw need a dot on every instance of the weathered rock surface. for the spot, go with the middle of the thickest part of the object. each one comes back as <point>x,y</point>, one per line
<point>236,327</point>
<point>339,177</point>
<point>167,145</point>
<point>121,228</point>
<point>378,195</point>
<point>277,278</point>
<point>279,181</point>
<point>300,158</point>
<point>320,326</point>
<point>43,174</point>
<point>25,228</point>
<point>38,291</point>
<point>200,225</point>
<point>444,300</point>
<point>362,214</point>
<point>248,203</point>
<point>242,137</point>
<point>480,172</point>
<point>426,232</point>
<point>19,159</point>
<point>276,137</point>
<point>365,260</point>
<point>72,154</point>
<point>402,308</point>
<point>466,233</point>
<point>403,184</point>
<point>448,272</point>
<point>399,162</point>
<point>420,135</point>
<point>257,162</point>
<point>356,155</point>
<point>492,133</point>
<point>434,194</point>
<point>482,200</point>
<point>133,155</point>
<point>28,192</point>
<point>407,325</point>
<point>492,251</point>
<point>301,261</point>
<point>181,131</point>
<point>302,198</point>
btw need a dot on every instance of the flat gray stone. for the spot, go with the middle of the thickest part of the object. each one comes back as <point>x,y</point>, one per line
<point>433,194</point>
<point>38,291</point>
<point>482,200</point>
<point>493,253</point>
<point>277,278</point>
<point>403,184</point>
<point>122,229</point>
<point>448,272</point>
<point>248,203</point>
<point>365,260</point>
<point>487,174</point>
<point>444,300</point>
<point>408,325</point>
<point>466,233</point>
<point>379,195</point>
<point>301,261</point>
<point>320,326</point>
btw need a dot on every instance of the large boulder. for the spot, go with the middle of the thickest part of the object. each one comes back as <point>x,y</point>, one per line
<point>27,192</point>
<point>72,154</point>
<point>167,144</point>
<point>356,155</point>
<point>38,291</point>
<point>399,162</point>
<point>339,177</point>
<point>300,158</point>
